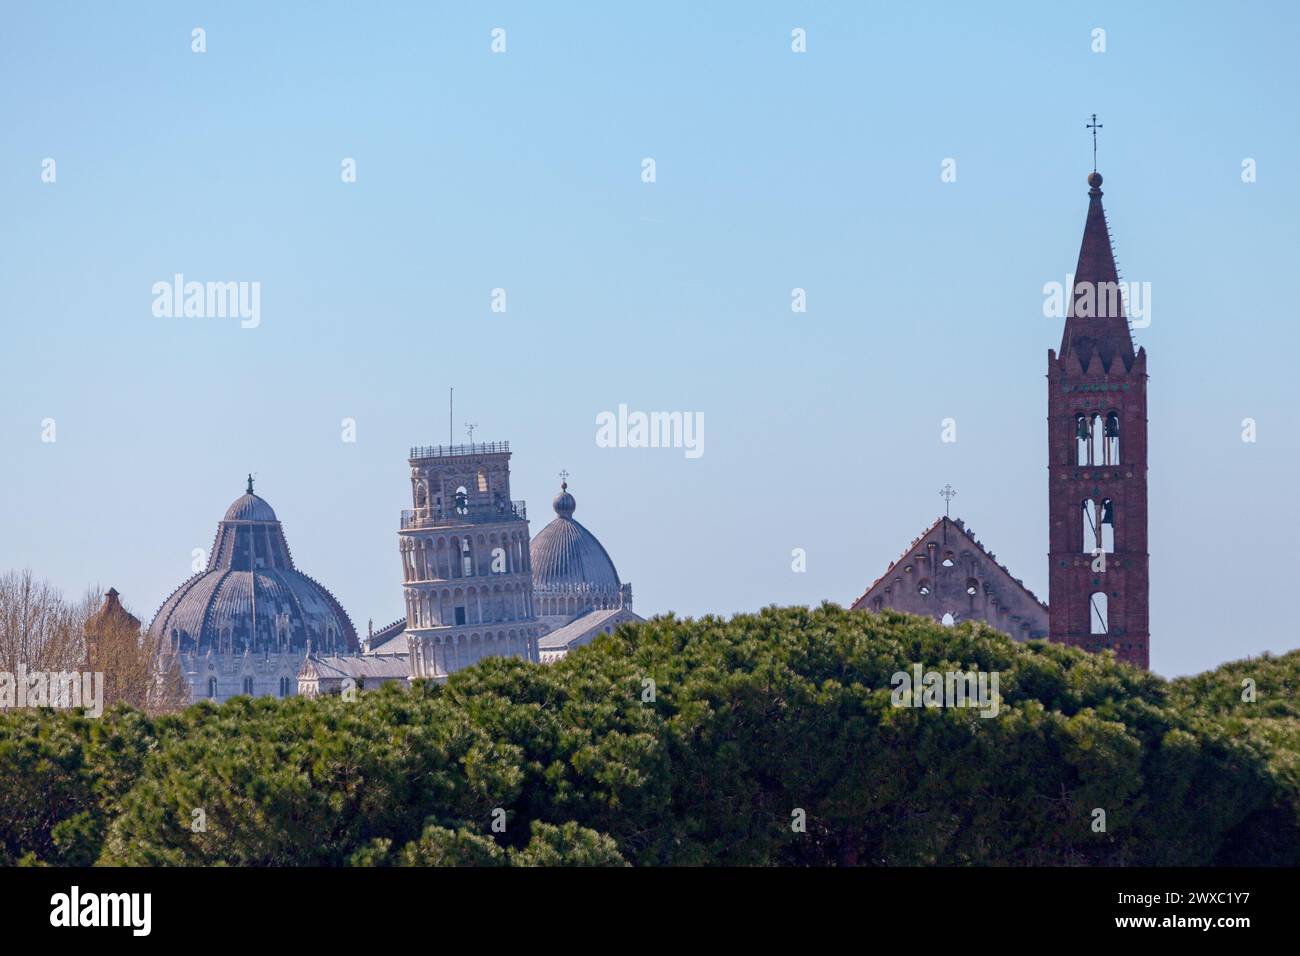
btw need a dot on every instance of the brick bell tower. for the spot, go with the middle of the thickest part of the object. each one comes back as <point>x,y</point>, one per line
<point>1097,461</point>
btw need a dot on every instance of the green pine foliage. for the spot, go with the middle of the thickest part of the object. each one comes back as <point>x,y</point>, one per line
<point>767,739</point>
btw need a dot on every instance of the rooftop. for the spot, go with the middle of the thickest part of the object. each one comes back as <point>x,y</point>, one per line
<point>563,636</point>
<point>382,666</point>
<point>452,451</point>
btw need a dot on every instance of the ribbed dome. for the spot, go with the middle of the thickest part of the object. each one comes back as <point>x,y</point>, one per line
<point>251,596</point>
<point>215,611</point>
<point>565,555</point>
<point>249,508</point>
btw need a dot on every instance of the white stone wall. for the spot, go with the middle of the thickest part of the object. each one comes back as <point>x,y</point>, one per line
<point>231,670</point>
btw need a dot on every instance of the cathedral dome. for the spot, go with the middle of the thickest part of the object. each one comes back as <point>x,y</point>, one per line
<point>567,557</point>
<point>251,596</point>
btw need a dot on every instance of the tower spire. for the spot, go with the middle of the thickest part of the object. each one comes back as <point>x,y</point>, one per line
<point>1095,323</point>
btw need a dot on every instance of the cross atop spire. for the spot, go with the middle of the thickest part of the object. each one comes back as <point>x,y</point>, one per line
<point>564,480</point>
<point>1094,126</point>
<point>948,492</point>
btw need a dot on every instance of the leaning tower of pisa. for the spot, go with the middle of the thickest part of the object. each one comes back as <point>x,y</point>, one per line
<point>465,566</point>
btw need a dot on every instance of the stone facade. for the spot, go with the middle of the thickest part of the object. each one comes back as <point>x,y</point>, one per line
<point>217,677</point>
<point>947,574</point>
<point>562,603</point>
<point>465,561</point>
<point>1097,463</point>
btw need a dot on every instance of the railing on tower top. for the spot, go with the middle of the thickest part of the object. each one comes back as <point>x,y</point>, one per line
<point>465,514</point>
<point>447,451</point>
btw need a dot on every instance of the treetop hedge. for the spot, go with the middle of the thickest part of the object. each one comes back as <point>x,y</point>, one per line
<point>769,738</point>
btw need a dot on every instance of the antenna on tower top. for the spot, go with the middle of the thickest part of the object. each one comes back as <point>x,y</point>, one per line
<point>451,417</point>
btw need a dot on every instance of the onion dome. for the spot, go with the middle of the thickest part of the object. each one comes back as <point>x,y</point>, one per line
<point>251,597</point>
<point>567,557</point>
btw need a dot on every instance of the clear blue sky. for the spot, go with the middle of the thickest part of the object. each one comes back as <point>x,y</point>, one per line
<point>522,171</point>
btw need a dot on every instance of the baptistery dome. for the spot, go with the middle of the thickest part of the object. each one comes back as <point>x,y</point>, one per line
<point>251,598</point>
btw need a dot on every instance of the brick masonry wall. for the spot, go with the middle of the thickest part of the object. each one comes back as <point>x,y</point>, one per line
<point>1125,581</point>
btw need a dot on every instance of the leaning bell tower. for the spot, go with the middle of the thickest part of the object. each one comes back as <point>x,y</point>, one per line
<point>466,572</point>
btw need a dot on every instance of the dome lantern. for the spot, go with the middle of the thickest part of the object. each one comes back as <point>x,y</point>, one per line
<point>563,503</point>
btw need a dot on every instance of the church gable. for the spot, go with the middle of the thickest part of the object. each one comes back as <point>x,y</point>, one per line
<point>947,574</point>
